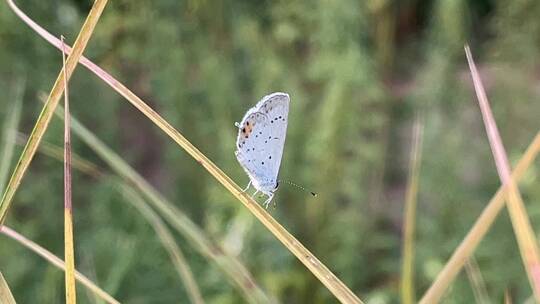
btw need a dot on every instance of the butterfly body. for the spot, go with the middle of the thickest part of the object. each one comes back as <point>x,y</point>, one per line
<point>260,142</point>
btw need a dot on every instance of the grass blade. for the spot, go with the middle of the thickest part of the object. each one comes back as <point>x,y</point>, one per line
<point>48,110</point>
<point>11,122</point>
<point>56,261</point>
<point>5,294</point>
<point>310,261</point>
<point>478,230</point>
<point>69,252</point>
<point>407,267</point>
<point>520,220</point>
<point>161,229</point>
<point>507,297</point>
<point>477,281</point>
<point>230,266</point>
<point>167,240</point>
<point>57,153</point>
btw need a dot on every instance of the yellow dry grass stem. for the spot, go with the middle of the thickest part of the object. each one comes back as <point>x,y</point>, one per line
<point>71,295</point>
<point>5,294</point>
<point>407,267</point>
<point>69,251</point>
<point>52,101</point>
<point>528,247</point>
<point>478,230</point>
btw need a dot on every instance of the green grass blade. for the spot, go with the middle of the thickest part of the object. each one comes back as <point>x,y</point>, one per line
<point>167,239</point>
<point>11,121</point>
<point>56,261</point>
<point>57,153</point>
<point>6,297</point>
<point>407,267</point>
<point>52,101</point>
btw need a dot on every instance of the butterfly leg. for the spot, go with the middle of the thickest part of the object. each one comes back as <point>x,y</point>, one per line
<point>249,184</point>
<point>267,202</point>
<point>253,195</point>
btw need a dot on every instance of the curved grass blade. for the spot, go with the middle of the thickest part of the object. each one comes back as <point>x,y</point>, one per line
<point>528,246</point>
<point>11,121</point>
<point>56,261</point>
<point>310,261</point>
<point>478,230</point>
<point>476,281</point>
<point>6,297</point>
<point>48,110</point>
<point>407,267</point>
<point>167,239</point>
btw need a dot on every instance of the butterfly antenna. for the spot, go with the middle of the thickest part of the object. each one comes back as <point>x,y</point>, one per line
<point>298,186</point>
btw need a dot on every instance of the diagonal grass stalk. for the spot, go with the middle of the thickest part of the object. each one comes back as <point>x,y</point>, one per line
<point>476,281</point>
<point>161,229</point>
<point>167,239</point>
<point>478,230</point>
<point>6,297</point>
<point>52,101</point>
<point>407,267</point>
<point>56,261</point>
<point>230,266</point>
<point>69,252</point>
<point>310,261</point>
<point>528,246</point>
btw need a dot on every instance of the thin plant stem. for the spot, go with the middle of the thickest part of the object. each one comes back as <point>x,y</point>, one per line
<point>167,239</point>
<point>476,281</point>
<point>57,153</point>
<point>46,113</point>
<point>56,261</point>
<point>478,230</point>
<point>528,246</point>
<point>407,267</point>
<point>69,251</point>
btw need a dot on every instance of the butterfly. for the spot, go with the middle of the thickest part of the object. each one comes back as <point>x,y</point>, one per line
<point>260,142</point>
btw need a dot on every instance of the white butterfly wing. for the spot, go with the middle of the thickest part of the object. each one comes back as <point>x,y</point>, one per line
<point>261,139</point>
<point>276,107</point>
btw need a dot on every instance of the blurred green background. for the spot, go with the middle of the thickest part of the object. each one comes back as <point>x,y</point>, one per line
<point>357,72</point>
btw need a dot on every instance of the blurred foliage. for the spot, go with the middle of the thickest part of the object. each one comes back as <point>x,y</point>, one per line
<point>357,71</point>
